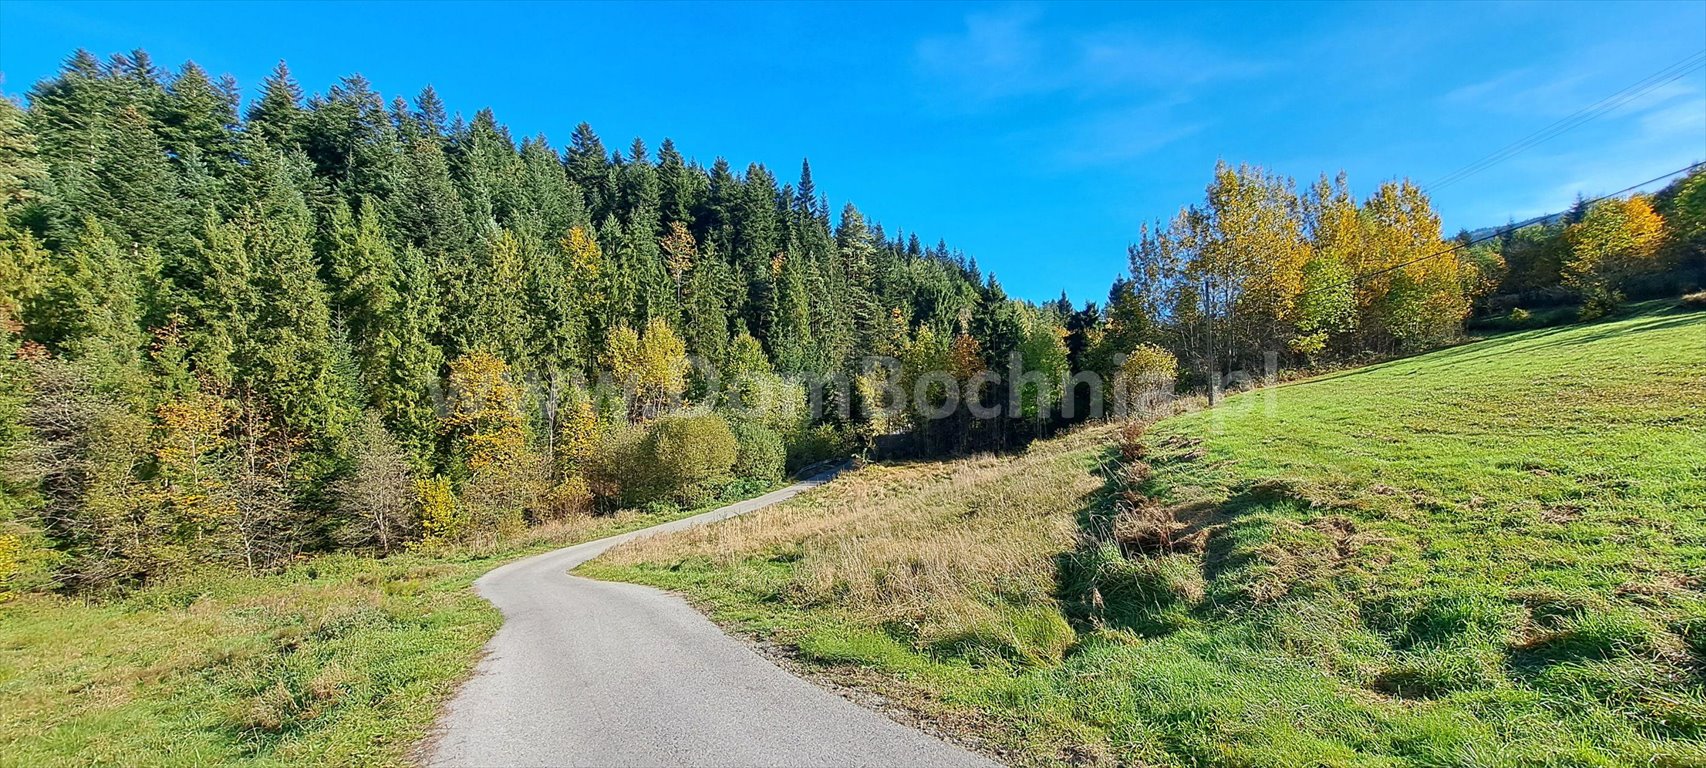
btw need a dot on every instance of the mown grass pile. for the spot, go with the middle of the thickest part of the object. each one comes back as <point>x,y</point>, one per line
<point>338,660</point>
<point>1493,554</point>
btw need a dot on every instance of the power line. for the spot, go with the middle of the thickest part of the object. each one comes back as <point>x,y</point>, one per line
<point>1495,234</point>
<point>1584,115</point>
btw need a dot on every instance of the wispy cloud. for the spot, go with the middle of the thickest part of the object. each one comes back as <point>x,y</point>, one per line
<point>1528,91</point>
<point>1659,130</point>
<point>1014,52</point>
<point>1121,93</point>
<point>1651,137</point>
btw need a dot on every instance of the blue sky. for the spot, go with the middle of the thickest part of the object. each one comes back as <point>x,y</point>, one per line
<point>1035,137</point>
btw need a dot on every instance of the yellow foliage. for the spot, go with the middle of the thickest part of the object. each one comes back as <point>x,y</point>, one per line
<point>191,433</point>
<point>11,554</point>
<point>679,251</point>
<point>580,435</point>
<point>653,364</point>
<point>441,516</point>
<point>572,496</point>
<point>586,266</point>
<point>487,411</point>
<point>1615,238</point>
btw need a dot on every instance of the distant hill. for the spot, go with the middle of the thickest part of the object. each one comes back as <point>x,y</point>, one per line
<point>1550,218</point>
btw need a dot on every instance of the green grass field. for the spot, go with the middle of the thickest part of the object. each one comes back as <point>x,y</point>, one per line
<point>341,660</point>
<point>1494,554</point>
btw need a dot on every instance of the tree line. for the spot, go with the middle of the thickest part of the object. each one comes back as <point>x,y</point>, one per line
<point>232,334</point>
<point>1317,276</point>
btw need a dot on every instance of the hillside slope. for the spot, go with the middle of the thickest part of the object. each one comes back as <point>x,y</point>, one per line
<point>1493,554</point>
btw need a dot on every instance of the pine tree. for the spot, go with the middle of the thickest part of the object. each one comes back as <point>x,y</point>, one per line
<point>408,397</point>
<point>289,351</point>
<point>363,271</point>
<point>805,193</point>
<point>856,248</point>
<point>430,115</point>
<point>350,139</point>
<point>88,306</point>
<point>136,187</point>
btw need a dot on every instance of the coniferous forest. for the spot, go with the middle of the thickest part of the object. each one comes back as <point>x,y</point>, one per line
<point>236,331</point>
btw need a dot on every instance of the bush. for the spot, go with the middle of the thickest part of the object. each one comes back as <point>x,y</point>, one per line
<point>617,469</point>
<point>690,456</point>
<point>1144,380</point>
<point>1520,316</point>
<point>569,498</point>
<point>759,452</point>
<point>820,443</point>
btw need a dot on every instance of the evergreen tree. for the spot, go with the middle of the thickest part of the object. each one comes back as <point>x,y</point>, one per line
<point>276,117</point>
<point>588,165</point>
<point>199,120</point>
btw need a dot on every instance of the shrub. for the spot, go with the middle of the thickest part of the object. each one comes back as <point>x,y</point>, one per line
<point>1596,304</point>
<point>1145,378</point>
<point>820,443</point>
<point>759,452</point>
<point>690,456</point>
<point>11,548</point>
<point>569,498</point>
<point>1520,316</point>
<point>614,463</point>
<point>441,517</point>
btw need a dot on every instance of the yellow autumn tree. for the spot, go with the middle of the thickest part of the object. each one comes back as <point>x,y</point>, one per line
<point>191,491</point>
<point>1413,294</point>
<point>504,475</point>
<point>580,435</point>
<point>679,252</point>
<point>1616,239</point>
<point>586,282</point>
<point>652,366</point>
<point>1249,252</point>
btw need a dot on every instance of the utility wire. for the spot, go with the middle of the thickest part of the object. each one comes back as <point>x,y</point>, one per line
<point>1584,115</point>
<point>1501,232</point>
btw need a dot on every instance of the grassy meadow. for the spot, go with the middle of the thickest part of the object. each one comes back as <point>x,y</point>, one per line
<point>339,660</point>
<point>1493,554</point>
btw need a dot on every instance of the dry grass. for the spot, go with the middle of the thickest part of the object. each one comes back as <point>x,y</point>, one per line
<point>941,548</point>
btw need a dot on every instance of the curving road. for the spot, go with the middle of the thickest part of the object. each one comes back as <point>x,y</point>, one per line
<point>592,673</point>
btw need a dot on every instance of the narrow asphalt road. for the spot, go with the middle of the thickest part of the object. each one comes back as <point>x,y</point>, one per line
<point>592,673</point>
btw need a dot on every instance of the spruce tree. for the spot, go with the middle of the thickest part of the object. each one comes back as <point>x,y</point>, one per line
<point>276,117</point>
<point>589,168</point>
<point>199,119</point>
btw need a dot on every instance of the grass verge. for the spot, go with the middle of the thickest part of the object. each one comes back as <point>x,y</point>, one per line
<point>340,660</point>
